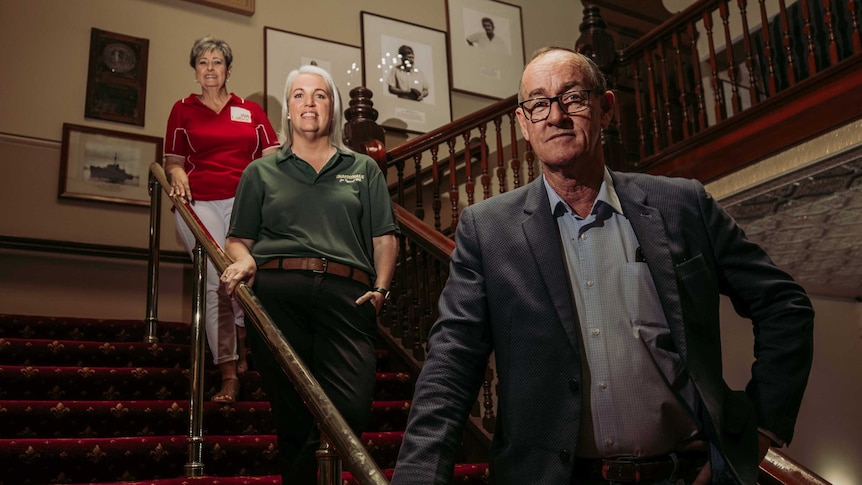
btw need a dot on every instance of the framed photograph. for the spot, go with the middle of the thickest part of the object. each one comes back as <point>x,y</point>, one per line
<point>105,165</point>
<point>245,7</point>
<point>406,67</point>
<point>486,47</point>
<point>117,78</point>
<point>285,51</point>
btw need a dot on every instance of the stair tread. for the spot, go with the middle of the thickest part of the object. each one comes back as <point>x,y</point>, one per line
<point>87,401</point>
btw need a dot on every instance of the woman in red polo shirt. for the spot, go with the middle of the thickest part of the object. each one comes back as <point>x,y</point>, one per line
<point>211,137</point>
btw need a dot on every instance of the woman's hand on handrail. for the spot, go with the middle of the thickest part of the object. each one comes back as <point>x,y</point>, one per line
<point>243,268</point>
<point>179,179</point>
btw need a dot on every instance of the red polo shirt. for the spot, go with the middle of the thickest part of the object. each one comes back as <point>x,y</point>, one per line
<point>217,146</point>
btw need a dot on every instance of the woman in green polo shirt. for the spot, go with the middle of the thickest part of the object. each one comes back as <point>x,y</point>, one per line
<point>313,231</point>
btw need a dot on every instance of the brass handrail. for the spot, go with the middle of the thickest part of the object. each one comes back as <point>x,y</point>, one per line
<point>332,424</point>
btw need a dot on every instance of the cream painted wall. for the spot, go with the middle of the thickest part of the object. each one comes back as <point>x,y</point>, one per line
<point>42,85</point>
<point>44,80</point>
<point>45,73</point>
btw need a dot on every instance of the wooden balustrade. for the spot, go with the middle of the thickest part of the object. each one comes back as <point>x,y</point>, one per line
<point>698,97</point>
<point>710,84</point>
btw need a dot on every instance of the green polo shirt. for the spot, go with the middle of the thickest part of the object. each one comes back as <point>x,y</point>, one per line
<point>289,210</point>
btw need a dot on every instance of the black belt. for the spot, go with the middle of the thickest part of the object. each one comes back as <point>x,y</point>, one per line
<point>319,265</point>
<point>634,470</point>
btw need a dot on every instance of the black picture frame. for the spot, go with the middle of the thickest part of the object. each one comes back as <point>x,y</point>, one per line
<point>107,165</point>
<point>117,78</point>
<point>381,39</point>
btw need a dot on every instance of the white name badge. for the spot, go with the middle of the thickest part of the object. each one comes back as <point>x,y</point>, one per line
<point>240,114</point>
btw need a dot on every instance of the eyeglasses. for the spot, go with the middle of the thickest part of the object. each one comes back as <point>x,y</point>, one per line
<point>571,102</point>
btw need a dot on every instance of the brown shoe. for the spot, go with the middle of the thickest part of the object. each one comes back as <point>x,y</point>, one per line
<point>229,391</point>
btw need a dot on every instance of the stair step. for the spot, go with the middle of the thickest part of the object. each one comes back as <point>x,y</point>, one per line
<point>87,401</point>
<point>92,419</point>
<point>55,383</point>
<point>35,460</point>
<point>23,351</point>
<point>71,328</point>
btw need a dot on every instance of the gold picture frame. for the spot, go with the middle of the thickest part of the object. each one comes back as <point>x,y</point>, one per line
<point>244,7</point>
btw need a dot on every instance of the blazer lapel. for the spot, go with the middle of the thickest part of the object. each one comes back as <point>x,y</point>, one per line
<point>648,225</point>
<point>543,236</point>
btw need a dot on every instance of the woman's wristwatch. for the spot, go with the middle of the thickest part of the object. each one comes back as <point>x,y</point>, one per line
<point>382,291</point>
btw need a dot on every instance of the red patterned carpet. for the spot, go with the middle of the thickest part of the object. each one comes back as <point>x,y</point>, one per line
<point>87,401</point>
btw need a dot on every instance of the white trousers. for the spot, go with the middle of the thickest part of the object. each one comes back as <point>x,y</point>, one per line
<point>223,313</point>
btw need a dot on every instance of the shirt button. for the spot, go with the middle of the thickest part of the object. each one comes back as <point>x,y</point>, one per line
<point>584,237</point>
<point>596,331</point>
<point>574,385</point>
<point>565,456</point>
<point>589,282</point>
<point>603,385</point>
<point>610,442</point>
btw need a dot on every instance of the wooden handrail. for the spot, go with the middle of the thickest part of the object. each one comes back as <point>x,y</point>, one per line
<point>332,424</point>
<point>435,137</point>
<point>778,469</point>
<point>433,242</point>
<point>663,31</point>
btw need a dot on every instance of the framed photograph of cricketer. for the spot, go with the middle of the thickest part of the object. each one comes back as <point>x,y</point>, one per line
<point>486,47</point>
<point>285,51</point>
<point>106,165</point>
<point>117,78</point>
<point>406,67</point>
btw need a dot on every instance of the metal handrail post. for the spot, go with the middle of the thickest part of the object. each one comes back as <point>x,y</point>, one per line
<point>195,467</point>
<point>328,463</point>
<point>152,318</point>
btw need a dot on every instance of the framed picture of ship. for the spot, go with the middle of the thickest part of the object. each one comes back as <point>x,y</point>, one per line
<point>105,165</point>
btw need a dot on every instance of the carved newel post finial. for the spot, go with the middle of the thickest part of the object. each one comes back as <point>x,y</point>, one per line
<point>361,131</point>
<point>595,41</point>
<point>598,44</point>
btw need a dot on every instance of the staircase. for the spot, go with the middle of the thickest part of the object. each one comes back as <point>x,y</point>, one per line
<point>88,401</point>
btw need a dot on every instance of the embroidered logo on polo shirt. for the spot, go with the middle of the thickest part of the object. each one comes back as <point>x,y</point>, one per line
<point>349,178</point>
<point>240,114</point>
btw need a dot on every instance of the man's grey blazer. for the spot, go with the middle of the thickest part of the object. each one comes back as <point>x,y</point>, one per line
<point>508,292</point>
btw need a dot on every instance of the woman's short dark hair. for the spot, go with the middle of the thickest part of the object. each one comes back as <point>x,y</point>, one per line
<point>209,43</point>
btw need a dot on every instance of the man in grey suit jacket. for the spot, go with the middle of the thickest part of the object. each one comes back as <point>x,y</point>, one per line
<point>598,293</point>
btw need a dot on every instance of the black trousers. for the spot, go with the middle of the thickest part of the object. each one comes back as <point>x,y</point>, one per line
<point>335,339</point>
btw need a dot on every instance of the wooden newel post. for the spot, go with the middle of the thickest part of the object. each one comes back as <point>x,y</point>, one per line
<point>361,131</point>
<point>598,44</point>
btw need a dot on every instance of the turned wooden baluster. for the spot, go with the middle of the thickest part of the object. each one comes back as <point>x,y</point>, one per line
<point>854,24</point>
<point>828,19</point>
<point>698,80</point>
<point>436,204</point>
<point>419,210</point>
<point>453,184</point>
<point>515,163</point>
<point>735,102</point>
<point>809,38</point>
<point>483,161</point>
<point>661,70</point>
<point>501,168</point>
<point>653,101</point>
<point>469,185</point>
<point>530,158</point>
<point>639,107</point>
<point>720,110</point>
<point>788,43</point>
<point>767,51</point>
<point>754,89</point>
<point>489,420</point>
<point>683,96</point>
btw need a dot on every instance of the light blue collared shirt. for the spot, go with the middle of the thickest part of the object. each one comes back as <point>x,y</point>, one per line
<point>630,364</point>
